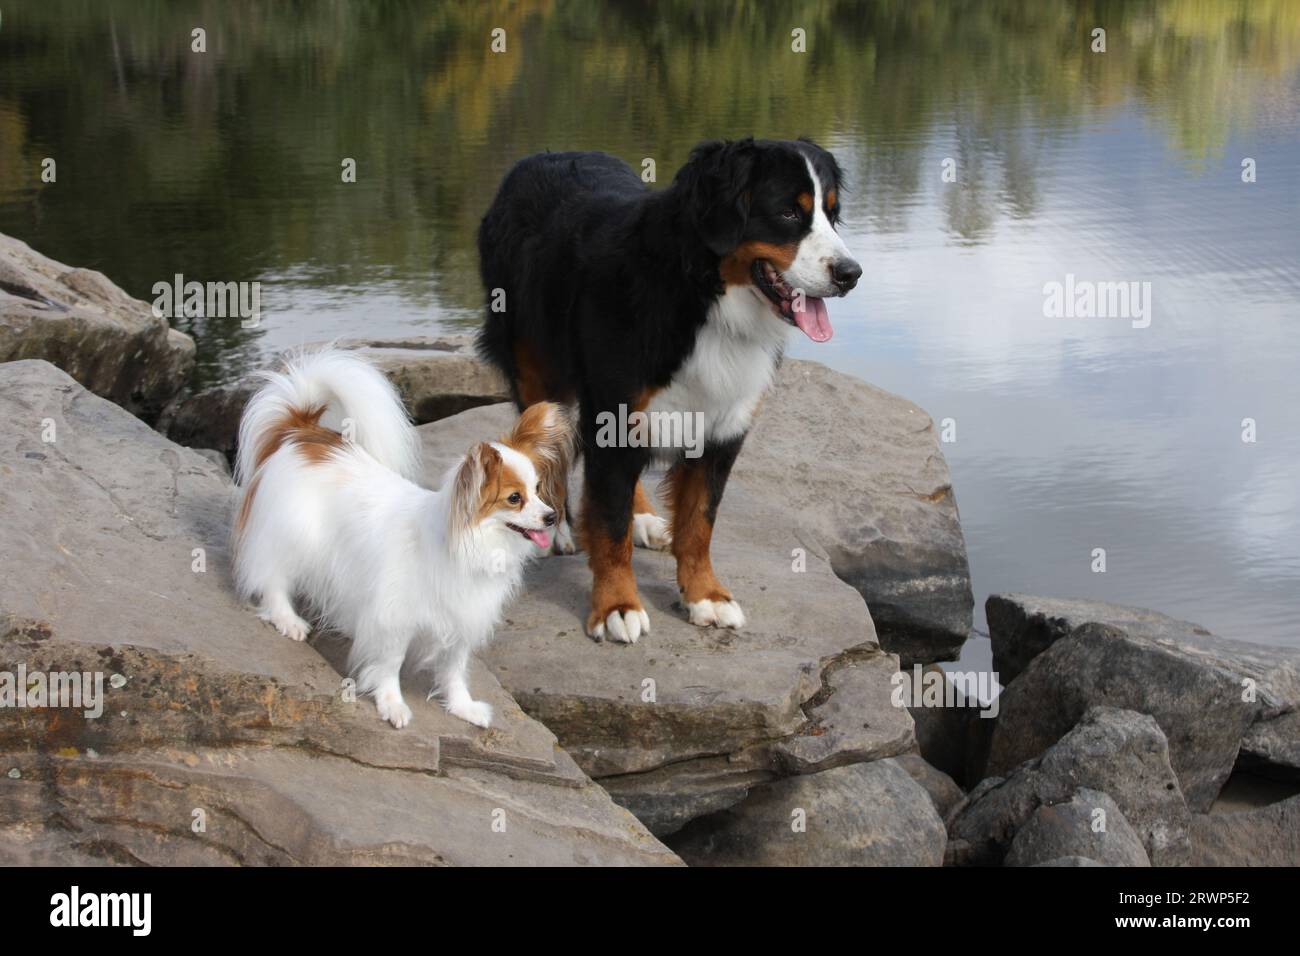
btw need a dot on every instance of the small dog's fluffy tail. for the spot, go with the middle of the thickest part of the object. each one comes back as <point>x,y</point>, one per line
<point>346,393</point>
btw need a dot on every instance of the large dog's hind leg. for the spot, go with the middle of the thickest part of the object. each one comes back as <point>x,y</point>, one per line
<point>648,529</point>
<point>695,487</point>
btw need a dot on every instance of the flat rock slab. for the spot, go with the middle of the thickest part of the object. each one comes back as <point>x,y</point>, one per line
<point>1212,697</point>
<point>76,318</point>
<point>684,721</point>
<point>863,473</point>
<point>436,377</point>
<point>114,560</point>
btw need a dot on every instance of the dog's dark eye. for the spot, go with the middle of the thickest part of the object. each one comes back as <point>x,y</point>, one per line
<point>515,498</point>
<point>791,214</point>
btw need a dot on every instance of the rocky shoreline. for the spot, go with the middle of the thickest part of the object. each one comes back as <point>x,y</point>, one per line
<point>1114,740</point>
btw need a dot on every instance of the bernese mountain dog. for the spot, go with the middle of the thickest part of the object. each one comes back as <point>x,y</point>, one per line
<point>608,295</point>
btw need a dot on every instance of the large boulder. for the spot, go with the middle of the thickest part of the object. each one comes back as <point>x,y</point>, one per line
<point>688,720</point>
<point>862,471</point>
<point>436,377</point>
<point>76,318</point>
<point>943,790</point>
<point>1212,697</point>
<point>1087,826</point>
<point>1120,753</point>
<point>1262,836</point>
<point>867,814</point>
<point>220,741</point>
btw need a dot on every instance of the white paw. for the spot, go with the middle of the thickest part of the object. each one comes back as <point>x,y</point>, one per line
<point>290,625</point>
<point>393,709</point>
<point>476,712</point>
<point>716,614</point>
<point>623,628</point>
<point>651,531</point>
<point>563,543</point>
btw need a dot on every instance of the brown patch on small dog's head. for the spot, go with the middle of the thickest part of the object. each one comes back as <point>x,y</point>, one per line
<point>484,484</point>
<point>544,435</point>
<point>737,266</point>
<point>832,198</point>
<point>805,201</point>
<point>503,488</point>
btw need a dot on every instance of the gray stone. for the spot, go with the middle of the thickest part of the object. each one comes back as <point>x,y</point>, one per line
<point>863,473</point>
<point>1190,680</point>
<point>216,457</point>
<point>1264,836</point>
<point>1069,861</point>
<point>1120,753</point>
<point>1271,747</point>
<point>76,318</point>
<point>207,708</point>
<point>1073,829</point>
<point>687,720</point>
<point>1198,707</point>
<point>867,814</point>
<point>944,793</point>
<point>436,377</point>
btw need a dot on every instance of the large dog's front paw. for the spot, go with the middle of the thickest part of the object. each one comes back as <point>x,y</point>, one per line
<point>622,625</point>
<point>724,613</point>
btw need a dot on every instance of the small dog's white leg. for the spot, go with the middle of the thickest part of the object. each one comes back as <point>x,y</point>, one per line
<point>383,680</point>
<point>278,611</point>
<point>455,691</point>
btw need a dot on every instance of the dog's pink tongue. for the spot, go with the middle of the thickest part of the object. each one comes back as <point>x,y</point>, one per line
<point>541,538</point>
<point>813,321</point>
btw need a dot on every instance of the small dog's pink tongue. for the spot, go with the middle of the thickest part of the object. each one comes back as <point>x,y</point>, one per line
<point>814,321</point>
<point>541,538</point>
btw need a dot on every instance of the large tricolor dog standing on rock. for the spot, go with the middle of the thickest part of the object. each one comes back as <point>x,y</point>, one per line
<point>604,293</point>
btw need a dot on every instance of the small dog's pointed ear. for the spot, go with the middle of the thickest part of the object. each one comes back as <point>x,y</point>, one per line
<point>717,180</point>
<point>545,434</point>
<point>479,473</point>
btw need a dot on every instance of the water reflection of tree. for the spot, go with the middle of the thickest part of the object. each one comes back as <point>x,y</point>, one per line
<point>225,166</point>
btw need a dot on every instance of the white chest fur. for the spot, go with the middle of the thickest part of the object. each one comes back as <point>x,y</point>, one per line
<point>734,362</point>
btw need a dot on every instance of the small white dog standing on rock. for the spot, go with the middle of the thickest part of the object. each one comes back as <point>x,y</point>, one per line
<point>330,511</point>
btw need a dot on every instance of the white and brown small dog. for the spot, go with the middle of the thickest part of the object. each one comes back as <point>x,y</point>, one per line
<point>340,521</point>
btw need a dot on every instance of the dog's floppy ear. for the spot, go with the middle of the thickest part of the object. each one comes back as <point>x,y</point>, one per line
<point>476,478</point>
<point>717,181</point>
<point>544,433</point>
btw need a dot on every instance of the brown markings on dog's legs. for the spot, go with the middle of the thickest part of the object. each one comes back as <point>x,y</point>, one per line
<point>641,504</point>
<point>613,586</point>
<point>695,487</point>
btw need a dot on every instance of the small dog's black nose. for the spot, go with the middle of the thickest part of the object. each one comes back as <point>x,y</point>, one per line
<point>549,520</point>
<point>845,274</point>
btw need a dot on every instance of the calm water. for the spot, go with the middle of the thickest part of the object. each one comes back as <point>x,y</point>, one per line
<point>1071,434</point>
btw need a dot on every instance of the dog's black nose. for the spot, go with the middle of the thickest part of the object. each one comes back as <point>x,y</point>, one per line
<point>845,274</point>
<point>549,520</point>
